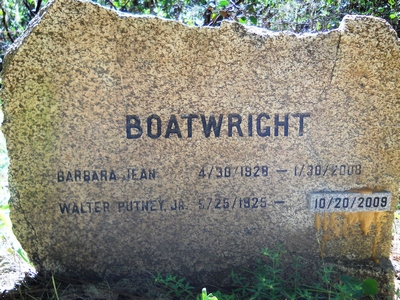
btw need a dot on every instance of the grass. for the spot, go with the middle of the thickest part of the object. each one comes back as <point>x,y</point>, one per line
<point>266,281</point>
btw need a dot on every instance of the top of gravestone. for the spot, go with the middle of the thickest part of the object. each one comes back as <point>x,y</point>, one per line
<point>367,26</point>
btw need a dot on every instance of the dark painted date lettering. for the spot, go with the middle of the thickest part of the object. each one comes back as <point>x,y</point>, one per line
<point>350,203</point>
<point>327,170</point>
<point>216,172</point>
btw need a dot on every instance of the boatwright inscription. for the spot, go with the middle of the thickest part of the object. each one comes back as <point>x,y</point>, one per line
<point>262,125</point>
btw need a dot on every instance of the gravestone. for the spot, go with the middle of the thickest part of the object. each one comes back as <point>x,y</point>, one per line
<point>138,143</point>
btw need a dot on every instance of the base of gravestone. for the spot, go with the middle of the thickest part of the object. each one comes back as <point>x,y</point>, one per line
<point>308,270</point>
<point>382,272</point>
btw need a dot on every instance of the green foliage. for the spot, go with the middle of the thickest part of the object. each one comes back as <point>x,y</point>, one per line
<point>14,17</point>
<point>268,281</point>
<point>397,293</point>
<point>5,222</point>
<point>293,15</point>
<point>6,233</point>
<point>398,203</point>
<point>54,287</point>
<point>176,287</point>
<point>370,287</point>
<point>204,295</point>
<point>181,289</point>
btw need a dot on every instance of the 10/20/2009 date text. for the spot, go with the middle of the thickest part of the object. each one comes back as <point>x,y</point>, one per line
<point>348,202</point>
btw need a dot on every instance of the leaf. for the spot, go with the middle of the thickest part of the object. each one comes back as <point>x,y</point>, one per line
<point>349,280</point>
<point>351,285</point>
<point>223,2</point>
<point>253,20</point>
<point>392,16</point>
<point>6,219</point>
<point>370,287</point>
<point>23,255</point>
<point>204,294</point>
<point>242,20</point>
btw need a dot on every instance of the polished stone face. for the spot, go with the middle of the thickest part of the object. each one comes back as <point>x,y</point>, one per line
<point>138,143</point>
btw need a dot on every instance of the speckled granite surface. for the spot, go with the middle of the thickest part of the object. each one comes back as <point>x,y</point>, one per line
<point>138,143</point>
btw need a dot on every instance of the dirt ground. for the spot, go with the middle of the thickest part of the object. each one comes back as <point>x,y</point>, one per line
<point>12,266</point>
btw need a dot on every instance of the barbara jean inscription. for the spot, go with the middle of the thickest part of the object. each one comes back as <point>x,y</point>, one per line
<point>211,172</point>
<point>105,175</point>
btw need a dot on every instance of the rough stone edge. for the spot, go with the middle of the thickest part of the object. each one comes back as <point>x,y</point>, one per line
<point>226,25</point>
<point>347,19</point>
<point>13,48</point>
<point>250,31</point>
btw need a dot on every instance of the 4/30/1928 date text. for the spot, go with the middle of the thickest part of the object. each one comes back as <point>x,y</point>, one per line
<point>233,171</point>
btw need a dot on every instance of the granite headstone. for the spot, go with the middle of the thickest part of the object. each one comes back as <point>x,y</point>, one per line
<point>138,143</point>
